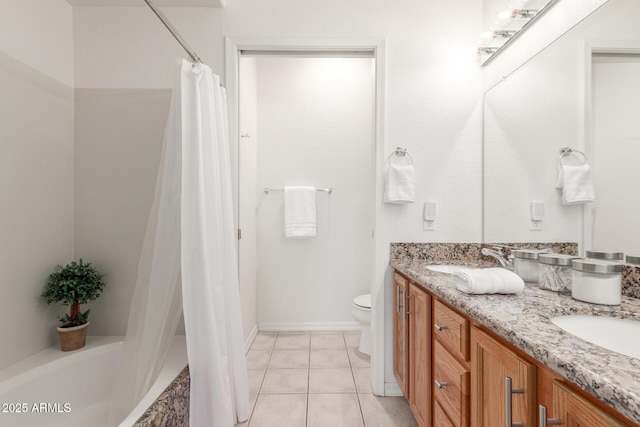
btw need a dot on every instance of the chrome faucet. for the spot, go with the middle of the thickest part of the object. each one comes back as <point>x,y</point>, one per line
<point>497,254</point>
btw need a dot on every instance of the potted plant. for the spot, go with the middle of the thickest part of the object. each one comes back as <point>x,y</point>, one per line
<point>72,285</point>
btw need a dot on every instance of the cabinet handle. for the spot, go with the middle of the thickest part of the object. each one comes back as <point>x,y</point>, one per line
<point>406,304</point>
<point>544,422</point>
<point>398,292</point>
<point>508,392</point>
<point>441,384</point>
<point>440,328</point>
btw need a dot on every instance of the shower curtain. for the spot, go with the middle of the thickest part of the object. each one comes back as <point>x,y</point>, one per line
<point>188,261</point>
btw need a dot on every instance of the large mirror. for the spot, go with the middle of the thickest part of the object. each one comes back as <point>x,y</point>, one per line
<point>582,92</point>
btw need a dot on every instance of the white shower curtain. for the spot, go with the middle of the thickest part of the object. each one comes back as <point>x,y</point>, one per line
<point>211,299</point>
<point>190,239</point>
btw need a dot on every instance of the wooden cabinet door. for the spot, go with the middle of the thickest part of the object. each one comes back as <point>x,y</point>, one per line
<point>420,355</point>
<point>574,410</point>
<point>401,333</point>
<point>492,366</point>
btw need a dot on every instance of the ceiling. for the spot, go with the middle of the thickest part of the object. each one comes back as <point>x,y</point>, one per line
<point>169,3</point>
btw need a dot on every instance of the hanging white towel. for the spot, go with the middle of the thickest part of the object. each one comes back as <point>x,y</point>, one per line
<point>577,184</point>
<point>401,184</point>
<point>489,281</point>
<point>300,212</point>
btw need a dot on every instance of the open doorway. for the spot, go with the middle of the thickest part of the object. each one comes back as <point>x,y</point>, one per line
<point>250,193</point>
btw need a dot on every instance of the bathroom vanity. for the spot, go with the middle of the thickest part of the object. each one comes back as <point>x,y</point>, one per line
<point>496,360</point>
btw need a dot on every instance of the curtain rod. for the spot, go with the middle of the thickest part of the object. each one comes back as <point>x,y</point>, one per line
<point>192,54</point>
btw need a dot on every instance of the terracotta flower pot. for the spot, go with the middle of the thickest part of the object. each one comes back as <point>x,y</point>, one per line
<point>73,338</point>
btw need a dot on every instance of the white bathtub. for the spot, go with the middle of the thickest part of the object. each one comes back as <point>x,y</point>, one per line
<point>55,388</point>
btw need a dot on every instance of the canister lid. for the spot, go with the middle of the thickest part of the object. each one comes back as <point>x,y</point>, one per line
<point>633,259</point>
<point>610,256</point>
<point>526,253</point>
<point>556,259</point>
<point>596,266</point>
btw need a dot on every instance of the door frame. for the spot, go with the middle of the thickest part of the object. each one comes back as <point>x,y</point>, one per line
<point>378,254</point>
<point>592,47</point>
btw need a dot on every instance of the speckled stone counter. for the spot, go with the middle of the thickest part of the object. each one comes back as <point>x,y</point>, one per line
<point>523,320</point>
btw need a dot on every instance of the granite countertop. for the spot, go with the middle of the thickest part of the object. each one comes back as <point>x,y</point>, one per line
<point>523,320</point>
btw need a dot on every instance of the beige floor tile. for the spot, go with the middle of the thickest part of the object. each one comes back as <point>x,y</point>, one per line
<point>252,404</point>
<point>332,410</point>
<point>255,380</point>
<point>362,377</point>
<point>385,411</point>
<point>352,339</point>
<point>278,410</point>
<point>289,359</point>
<point>357,359</point>
<point>279,381</point>
<point>329,358</point>
<point>264,341</point>
<point>327,340</point>
<point>331,380</point>
<point>258,359</point>
<point>292,341</point>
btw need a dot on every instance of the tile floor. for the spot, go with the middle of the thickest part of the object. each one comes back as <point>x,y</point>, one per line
<point>317,379</point>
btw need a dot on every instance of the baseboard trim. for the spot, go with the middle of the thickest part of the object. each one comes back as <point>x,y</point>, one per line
<point>392,389</point>
<point>310,326</point>
<point>250,338</point>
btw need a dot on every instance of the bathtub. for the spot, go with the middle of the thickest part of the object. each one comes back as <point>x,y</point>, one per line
<point>54,388</point>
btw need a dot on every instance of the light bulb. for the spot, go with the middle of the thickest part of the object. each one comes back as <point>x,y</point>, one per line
<point>504,17</point>
<point>486,37</point>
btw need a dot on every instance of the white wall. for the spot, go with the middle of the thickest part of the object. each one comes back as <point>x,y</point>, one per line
<point>36,168</point>
<point>315,128</point>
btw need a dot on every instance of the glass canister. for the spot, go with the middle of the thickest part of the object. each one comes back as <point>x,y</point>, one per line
<point>555,272</point>
<point>525,264</point>
<point>597,281</point>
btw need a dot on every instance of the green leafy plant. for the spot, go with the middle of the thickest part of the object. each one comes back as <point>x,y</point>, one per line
<point>72,285</point>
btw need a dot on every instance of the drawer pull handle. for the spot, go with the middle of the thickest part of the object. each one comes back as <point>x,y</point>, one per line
<point>508,392</point>
<point>544,422</point>
<point>440,328</point>
<point>441,384</point>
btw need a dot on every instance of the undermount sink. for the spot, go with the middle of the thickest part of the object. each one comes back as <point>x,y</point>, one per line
<point>619,335</point>
<point>447,268</point>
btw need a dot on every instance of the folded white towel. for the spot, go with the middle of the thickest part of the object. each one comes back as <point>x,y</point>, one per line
<point>401,183</point>
<point>577,184</point>
<point>300,212</point>
<point>489,281</point>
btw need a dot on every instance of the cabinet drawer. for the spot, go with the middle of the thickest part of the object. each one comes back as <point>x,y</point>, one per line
<point>451,385</point>
<point>440,418</point>
<point>451,329</point>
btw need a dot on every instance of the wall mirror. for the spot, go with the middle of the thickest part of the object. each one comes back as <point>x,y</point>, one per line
<point>572,94</point>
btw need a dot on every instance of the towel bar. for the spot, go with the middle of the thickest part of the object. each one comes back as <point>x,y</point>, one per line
<point>267,190</point>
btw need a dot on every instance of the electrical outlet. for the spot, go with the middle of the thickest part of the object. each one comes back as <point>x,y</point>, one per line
<point>536,225</point>
<point>428,225</point>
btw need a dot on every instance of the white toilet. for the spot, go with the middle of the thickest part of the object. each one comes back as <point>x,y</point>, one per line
<point>362,313</point>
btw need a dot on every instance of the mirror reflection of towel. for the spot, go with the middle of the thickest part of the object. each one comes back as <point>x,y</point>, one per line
<point>300,212</point>
<point>576,183</point>
<point>401,183</point>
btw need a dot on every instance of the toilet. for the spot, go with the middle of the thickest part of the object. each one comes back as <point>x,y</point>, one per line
<point>362,313</point>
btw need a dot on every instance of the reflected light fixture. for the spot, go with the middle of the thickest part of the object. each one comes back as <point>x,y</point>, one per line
<point>509,23</point>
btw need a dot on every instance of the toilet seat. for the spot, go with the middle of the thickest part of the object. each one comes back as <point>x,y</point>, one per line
<point>363,301</point>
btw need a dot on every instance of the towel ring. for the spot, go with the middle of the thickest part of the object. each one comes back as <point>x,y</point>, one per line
<point>401,152</point>
<point>567,151</point>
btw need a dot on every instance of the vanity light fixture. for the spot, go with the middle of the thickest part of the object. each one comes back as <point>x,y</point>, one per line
<point>512,21</point>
